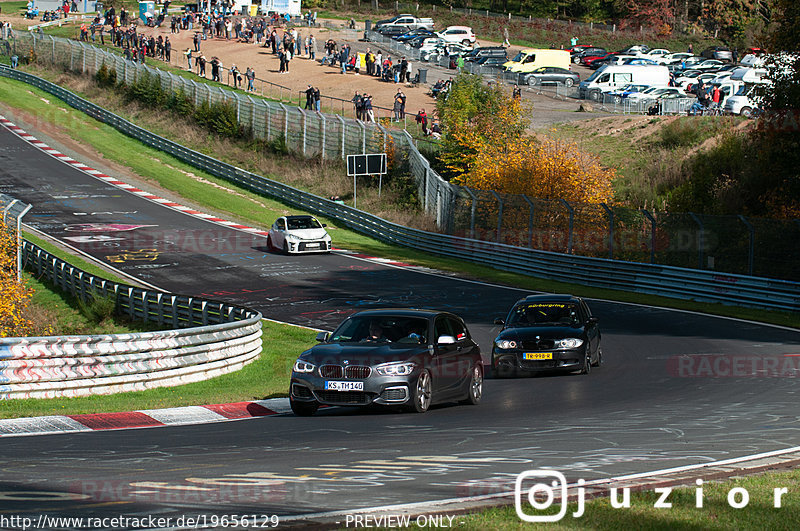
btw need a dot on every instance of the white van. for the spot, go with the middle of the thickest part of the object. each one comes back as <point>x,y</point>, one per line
<point>616,76</point>
<point>743,100</point>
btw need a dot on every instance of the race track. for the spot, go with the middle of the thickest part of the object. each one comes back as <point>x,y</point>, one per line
<point>657,401</point>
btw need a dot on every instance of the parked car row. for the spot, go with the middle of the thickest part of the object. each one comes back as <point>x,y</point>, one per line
<point>414,358</point>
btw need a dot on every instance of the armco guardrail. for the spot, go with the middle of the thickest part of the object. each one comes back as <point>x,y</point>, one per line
<point>209,339</point>
<point>627,276</point>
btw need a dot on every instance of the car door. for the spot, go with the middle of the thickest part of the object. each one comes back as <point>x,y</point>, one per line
<point>592,329</point>
<point>279,233</point>
<point>445,357</point>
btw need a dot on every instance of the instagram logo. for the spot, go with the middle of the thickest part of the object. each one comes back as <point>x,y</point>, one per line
<point>538,490</point>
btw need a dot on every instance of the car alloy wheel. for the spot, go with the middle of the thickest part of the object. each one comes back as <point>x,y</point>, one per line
<point>533,81</point>
<point>475,391</point>
<point>303,409</point>
<point>270,247</point>
<point>569,82</point>
<point>421,399</point>
<point>595,95</point>
<point>285,247</point>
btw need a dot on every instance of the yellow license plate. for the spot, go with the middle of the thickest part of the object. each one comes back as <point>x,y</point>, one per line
<point>538,355</point>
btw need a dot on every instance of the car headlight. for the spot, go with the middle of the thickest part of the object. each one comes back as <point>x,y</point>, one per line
<point>571,342</point>
<point>396,369</point>
<point>303,366</point>
<point>292,238</point>
<point>505,344</point>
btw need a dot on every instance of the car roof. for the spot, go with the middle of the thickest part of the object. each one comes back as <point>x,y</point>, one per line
<point>551,297</point>
<point>400,312</point>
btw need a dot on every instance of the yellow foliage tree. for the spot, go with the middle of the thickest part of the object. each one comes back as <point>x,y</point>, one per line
<point>486,147</point>
<point>15,296</point>
<point>546,169</point>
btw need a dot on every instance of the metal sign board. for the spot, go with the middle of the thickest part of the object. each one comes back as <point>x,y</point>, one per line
<point>366,164</point>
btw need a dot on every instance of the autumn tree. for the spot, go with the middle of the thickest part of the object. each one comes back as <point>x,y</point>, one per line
<point>485,146</point>
<point>14,295</point>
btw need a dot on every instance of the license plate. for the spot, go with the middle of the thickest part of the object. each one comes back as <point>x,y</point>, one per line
<point>344,386</point>
<point>312,245</point>
<point>538,355</point>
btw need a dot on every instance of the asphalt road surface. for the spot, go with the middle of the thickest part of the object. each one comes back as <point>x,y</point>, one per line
<point>664,397</point>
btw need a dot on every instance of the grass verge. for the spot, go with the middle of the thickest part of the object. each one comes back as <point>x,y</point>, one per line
<point>716,512</point>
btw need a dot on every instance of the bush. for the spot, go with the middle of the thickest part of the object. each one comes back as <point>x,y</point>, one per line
<point>98,309</point>
<point>180,103</point>
<point>219,118</point>
<point>147,89</point>
<point>106,77</point>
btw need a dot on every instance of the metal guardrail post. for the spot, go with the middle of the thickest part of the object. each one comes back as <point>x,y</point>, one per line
<point>324,130</point>
<point>499,214</point>
<point>571,224</point>
<point>19,241</point>
<point>305,128</point>
<point>531,211</point>
<point>752,245</point>
<point>363,136</point>
<point>472,213</point>
<point>701,236</point>
<point>343,124</point>
<point>285,123</point>
<point>652,235</point>
<point>610,230</point>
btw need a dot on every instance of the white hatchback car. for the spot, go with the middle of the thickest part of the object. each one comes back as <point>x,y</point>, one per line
<point>298,234</point>
<point>458,35</point>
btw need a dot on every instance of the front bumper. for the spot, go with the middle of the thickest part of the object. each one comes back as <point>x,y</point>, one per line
<point>571,359</point>
<point>381,390</point>
<point>308,246</point>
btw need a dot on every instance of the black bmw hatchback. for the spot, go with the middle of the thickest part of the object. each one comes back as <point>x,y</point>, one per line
<point>392,357</point>
<point>547,333</point>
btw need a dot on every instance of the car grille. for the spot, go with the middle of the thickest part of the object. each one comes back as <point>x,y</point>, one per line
<point>357,371</point>
<point>538,344</point>
<point>317,246</point>
<point>331,371</point>
<point>354,372</point>
<point>537,364</point>
<point>301,391</point>
<point>352,398</point>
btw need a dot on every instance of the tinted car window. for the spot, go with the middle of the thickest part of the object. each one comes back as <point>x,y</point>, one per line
<point>394,328</point>
<point>281,224</point>
<point>443,328</point>
<point>304,223</point>
<point>544,313</point>
<point>458,329</point>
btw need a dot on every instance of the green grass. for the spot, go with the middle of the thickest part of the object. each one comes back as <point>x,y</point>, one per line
<point>715,514</point>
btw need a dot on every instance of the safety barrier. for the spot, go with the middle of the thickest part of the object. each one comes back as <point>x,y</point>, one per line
<point>208,338</point>
<point>666,280</point>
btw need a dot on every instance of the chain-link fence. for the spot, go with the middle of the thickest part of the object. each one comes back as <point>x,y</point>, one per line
<point>761,247</point>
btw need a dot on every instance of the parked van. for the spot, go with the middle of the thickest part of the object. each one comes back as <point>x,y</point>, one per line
<point>744,101</point>
<point>617,76</point>
<point>530,59</point>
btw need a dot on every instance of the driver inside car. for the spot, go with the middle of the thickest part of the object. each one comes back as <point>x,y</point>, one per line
<point>376,333</point>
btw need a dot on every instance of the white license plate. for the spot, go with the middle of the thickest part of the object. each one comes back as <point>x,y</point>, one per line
<point>312,245</point>
<point>344,386</point>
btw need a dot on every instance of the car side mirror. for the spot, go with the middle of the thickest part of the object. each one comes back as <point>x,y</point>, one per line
<point>323,336</point>
<point>324,224</point>
<point>499,321</point>
<point>446,340</point>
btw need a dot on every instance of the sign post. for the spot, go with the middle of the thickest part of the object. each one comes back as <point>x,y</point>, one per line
<point>366,164</point>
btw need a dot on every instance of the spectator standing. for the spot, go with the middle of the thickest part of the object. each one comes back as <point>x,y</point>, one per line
<point>251,77</point>
<point>235,74</point>
<point>408,72</point>
<point>282,61</point>
<point>310,98</point>
<point>197,42</point>
<point>378,63</point>
<point>188,54</point>
<point>422,119</point>
<point>370,115</point>
<point>316,99</point>
<point>369,62</point>
<point>716,96</point>
<point>343,59</point>
<point>400,103</point>
<point>516,93</point>
<point>357,104</point>
<point>312,47</point>
<point>167,48</point>
<point>403,70</point>
<point>201,65</point>
<point>691,48</point>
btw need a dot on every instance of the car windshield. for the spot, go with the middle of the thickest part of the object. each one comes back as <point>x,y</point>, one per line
<point>544,313</point>
<point>518,58</point>
<point>303,223</point>
<point>386,328</point>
